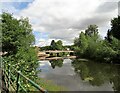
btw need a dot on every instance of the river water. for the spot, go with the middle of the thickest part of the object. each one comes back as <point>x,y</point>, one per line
<point>80,75</point>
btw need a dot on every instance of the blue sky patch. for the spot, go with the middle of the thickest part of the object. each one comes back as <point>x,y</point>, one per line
<point>20,5</point>
<point>16,5</point>
<point>40,35</point>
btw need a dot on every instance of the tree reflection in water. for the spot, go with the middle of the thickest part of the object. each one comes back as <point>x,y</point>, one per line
<point>95,73</point>
<point>57,63</point>
<point>98,73</point>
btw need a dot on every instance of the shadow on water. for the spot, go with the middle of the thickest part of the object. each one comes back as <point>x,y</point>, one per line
<point>57,63</point>
<point>95,74</point>
<point>98,73</point>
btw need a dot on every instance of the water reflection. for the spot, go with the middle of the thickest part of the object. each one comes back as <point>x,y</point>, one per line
<point>57,63</point>
<point>82,75</point>
<point>98,73</point>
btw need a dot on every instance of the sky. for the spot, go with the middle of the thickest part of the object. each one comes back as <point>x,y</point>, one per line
<point>62,19</point>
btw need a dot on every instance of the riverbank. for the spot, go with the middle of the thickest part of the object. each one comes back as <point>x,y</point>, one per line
<point>105,60</point>
<point>49,85</point>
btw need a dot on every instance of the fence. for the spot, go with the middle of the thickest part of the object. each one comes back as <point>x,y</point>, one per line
<point>14,79</point>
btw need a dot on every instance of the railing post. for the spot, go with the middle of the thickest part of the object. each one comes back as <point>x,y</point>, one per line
<point>4,68</point>
<point>17,82</point>
<point>3,73</point>
<point>8,76</point>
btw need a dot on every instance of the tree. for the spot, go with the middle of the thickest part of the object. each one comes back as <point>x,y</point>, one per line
<point>56,45</point>
<point>59,45</point>
<point>53,45</point>
<point>17,39</point>
<point>91,30</point>
<point>115,29</point>
<point>109,36</point>
<point>15,33</point>
<point>81,43</point>
<point>76,42</point>
<point>10,28</point>
<point>45,48</point>
<point>57,63</point>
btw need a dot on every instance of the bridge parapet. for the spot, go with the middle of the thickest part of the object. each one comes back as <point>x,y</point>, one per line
<point>58,51</point>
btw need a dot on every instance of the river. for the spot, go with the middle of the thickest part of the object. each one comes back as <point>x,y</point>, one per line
<point>80,75</point>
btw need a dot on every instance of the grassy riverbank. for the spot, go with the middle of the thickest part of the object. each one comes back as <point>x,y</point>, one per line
<point>48,85</point>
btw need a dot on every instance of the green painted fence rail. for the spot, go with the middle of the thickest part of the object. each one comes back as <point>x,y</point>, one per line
<point>14,83</point>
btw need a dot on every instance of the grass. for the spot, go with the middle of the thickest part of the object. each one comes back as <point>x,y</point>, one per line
<point>49,85</point>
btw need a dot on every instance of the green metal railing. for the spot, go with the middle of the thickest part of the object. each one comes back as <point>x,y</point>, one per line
<point>13,81</point>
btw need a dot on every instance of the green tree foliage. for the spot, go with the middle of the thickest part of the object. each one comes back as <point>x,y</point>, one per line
<point>17,40</point>
<point>56,45</point>
<point>15,33</point>
<point>70,47</point>
<point>91,30</point>
<point>45,48</point>
<point>59,45</point>
<point>87,42</point>
<point>80,43</point>
<point>115,29</point>
<point>109,36</point>
<point>57,63</point>
<point>90,45</point>
<point>53,45</point>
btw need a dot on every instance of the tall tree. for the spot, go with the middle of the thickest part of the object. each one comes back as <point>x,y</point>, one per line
<point>92,30</point>
<point>17,39</point>
<point>56,45</point>
<point>59,45</point>
<point>115,29</point>
<point>53,45</point>
<point>109,36</point>
<point>15,33</point>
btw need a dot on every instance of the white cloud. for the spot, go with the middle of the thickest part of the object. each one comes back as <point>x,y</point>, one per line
<point>64,19</point>
<point>43,42</point>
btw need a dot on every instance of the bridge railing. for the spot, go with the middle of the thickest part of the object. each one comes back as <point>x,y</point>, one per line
<point>14,81</point>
